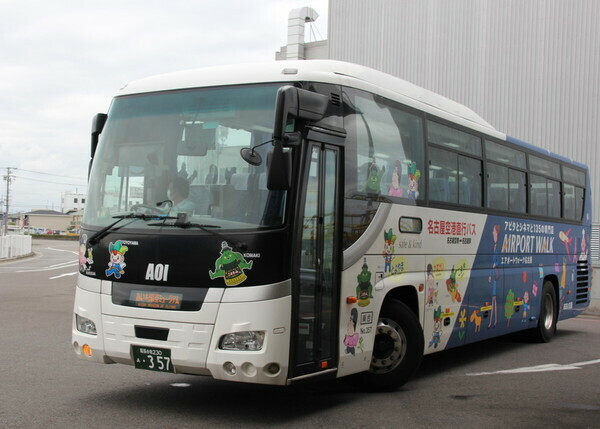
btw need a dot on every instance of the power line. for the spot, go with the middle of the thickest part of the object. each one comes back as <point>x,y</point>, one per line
<point>49,181</point>
<point>47,174</point>
<point>51,174</point>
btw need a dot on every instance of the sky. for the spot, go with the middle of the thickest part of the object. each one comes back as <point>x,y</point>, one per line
<point>62,61</point>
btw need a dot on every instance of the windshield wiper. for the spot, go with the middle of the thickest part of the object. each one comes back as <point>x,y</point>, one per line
<point>182,222</point>
<point>120,218</point>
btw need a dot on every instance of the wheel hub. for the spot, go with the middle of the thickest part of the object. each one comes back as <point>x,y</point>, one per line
<point>389,348</point>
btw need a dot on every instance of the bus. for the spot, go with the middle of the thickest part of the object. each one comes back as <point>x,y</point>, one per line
<point>278,222</point>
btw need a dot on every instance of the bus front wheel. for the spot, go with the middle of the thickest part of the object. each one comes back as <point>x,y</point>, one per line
<point>548,315</point>
<point>398,347</point>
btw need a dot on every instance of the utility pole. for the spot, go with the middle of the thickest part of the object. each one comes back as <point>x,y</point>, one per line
<point>8,178</point>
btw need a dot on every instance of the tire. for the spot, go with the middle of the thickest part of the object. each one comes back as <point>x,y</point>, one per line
<point>398,348</point>
<point>546,328</point>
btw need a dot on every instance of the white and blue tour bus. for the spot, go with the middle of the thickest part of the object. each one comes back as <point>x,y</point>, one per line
<point>275,222</point>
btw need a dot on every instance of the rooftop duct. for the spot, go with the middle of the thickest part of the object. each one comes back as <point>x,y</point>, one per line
<point>296,21</point>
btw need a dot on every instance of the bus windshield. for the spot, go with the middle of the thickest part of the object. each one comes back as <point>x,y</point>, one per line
<point>179,152</point>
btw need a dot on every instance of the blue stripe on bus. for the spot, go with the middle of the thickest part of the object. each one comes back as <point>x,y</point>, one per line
<point>541,151</point>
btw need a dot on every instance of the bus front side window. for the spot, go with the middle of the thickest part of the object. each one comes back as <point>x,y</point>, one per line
<point>388,147</point>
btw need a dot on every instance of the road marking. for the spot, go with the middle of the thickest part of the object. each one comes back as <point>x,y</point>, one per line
<point>540,368</point>
<point>52,267</point>
<point>63,250</point>
<point>589,362</point>
<point>62,264</point>
<point>63,275</point>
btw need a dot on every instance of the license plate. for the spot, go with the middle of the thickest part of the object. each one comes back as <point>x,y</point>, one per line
<point>152,358</point>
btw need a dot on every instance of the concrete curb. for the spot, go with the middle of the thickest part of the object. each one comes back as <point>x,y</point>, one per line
<point>16,258</point>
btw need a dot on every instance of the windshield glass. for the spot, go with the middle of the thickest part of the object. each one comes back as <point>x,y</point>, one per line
<point>184,146</point>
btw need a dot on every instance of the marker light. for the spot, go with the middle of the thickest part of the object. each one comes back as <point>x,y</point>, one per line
<point>249,341</point>
<point>87,350</point>
<point>85,325</point>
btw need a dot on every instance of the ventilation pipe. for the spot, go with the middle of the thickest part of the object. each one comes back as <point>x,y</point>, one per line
<point>296,21</point>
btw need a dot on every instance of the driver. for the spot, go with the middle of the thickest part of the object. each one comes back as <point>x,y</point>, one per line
<point>179,190</point>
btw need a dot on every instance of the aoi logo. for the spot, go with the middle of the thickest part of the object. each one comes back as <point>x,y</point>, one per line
<point>157,272</point>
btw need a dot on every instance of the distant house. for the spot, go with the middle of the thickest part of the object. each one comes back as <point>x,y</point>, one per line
<point>49,219</point>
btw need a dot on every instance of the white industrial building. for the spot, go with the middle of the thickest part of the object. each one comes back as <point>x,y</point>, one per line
<point>72,201</point>
<point>531,68</point>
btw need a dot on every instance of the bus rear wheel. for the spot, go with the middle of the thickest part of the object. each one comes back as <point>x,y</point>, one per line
<point>398,348</point>
<point>546,327</point>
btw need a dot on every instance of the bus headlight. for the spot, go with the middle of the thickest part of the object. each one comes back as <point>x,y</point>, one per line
<point>85,325</point>
<point>249,341</point>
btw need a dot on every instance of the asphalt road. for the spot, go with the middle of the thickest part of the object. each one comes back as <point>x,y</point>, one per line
<point>496,383</point>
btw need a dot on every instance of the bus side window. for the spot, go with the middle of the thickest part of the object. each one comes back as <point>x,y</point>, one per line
<point>385,147</point>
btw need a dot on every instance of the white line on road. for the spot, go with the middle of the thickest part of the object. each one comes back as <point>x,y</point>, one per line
<point>540,368</point>
<point>62,250</point>
<point>62,264</point>
<point>54,267</point>
<point>63,275</point>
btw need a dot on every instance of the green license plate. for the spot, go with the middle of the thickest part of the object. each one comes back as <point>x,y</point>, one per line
<point>152,358</point>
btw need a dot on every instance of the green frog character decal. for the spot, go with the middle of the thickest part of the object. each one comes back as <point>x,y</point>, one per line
<point>374,178</point>
<point>364,290</point>
<point>230,266</point>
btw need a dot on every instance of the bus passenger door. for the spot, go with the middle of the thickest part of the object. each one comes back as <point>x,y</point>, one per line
<point>316,289</point>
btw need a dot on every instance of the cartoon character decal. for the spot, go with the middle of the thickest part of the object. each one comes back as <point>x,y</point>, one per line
<point>525,305</point>
<point>351,337</point>
<point>437,327</point>
<point>452,286</point>
<point>567,241</point>
<point>116,264</point>
<point>388,249</point>
<point>364,290</point>
<point>431,287</point>
<point>462,320</point>
<point>413,181</point>
<point>374,176</point>
<point>584,249</point>
<point>494,275</point>
<point>395,190</point>
<point>230,265</point>
<point>563,276</point>
<point>509,306</point>
<point>476,318</point>
<point>85,262</point>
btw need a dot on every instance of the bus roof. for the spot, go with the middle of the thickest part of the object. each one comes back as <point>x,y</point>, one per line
<point>324,71</point>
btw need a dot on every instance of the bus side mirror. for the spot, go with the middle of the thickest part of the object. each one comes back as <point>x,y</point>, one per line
<point>279,171</point>
<point>292,102</point>
<point>97,126</point>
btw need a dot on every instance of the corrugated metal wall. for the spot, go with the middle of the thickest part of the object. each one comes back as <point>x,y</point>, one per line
<point>529,67</point>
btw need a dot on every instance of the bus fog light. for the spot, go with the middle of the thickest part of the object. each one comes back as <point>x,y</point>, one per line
<point>273,368</point>
<point>251,341</point>
<point>85,325</point>
<point>229,368</point>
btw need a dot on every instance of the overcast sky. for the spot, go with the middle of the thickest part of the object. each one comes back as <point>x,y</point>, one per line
<point>62,61</point>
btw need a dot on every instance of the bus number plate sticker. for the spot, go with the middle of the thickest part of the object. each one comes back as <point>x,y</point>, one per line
<point>152,358</point>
